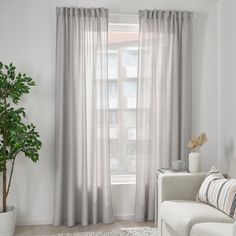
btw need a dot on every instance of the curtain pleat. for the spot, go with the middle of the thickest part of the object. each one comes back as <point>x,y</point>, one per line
<point>163,99</point>
<point>82,169</point>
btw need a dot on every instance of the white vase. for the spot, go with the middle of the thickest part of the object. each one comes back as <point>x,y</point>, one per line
<point>194,162</point>
<point>8,222</point>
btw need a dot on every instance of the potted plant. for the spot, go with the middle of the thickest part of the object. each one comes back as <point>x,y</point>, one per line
<point>16,136</point>
<point>194,156</point>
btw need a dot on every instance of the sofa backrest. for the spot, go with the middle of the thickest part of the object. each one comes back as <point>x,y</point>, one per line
<point>232,168</point>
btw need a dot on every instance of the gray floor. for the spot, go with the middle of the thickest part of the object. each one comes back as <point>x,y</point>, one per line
<point>49,229</point>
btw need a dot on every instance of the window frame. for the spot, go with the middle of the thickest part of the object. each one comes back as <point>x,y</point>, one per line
<point>121,23</point>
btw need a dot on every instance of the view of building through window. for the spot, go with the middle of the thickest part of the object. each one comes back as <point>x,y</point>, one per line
<point>122,75</point>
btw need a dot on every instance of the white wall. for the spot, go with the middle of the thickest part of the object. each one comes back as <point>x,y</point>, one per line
<point>227,82</point>
<point>27,37</point>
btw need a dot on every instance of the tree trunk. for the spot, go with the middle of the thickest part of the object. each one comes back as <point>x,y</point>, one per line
<point>4,199</point>
<point>4,136</point>
<point>4,176</point>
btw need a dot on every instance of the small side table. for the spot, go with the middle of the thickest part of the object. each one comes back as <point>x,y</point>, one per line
<point>163,171</point>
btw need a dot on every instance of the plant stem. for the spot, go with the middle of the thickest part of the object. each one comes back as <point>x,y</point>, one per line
<point>4,199</point>
<point>12,168</point>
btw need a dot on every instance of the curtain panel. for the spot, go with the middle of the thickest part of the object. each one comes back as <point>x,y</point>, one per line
<point>82,159</point>
<point>163,99</point>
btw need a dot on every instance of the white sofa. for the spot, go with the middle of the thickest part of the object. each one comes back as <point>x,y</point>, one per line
<point>181,215</point>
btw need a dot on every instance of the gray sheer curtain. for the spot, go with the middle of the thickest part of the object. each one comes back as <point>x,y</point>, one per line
<point>164,99</point>
<point>82,169</point>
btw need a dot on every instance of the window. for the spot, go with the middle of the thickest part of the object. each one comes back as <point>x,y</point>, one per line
<point>123,42</point>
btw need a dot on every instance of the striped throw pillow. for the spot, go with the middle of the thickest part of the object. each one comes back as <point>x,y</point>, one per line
<point>219,192</point>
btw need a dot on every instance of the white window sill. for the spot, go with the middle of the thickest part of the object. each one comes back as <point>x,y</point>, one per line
<point>123,179</point>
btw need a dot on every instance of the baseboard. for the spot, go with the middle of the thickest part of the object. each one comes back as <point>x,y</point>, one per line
<point>123,217</point>
<point>34,222</point>
<point>49,221</point>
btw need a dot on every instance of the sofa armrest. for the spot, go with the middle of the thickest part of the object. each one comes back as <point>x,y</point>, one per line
<point>179,186</point>
<point>234,228</point>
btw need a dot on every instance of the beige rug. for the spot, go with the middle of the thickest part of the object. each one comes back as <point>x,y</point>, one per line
<point>138,231</point>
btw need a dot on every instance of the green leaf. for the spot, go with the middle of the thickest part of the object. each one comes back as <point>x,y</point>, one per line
<point>17,135</point>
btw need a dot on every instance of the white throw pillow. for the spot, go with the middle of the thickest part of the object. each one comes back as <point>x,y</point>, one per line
<point>219,192</point>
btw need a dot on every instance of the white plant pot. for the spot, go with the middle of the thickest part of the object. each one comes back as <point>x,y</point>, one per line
<point>8,222</point>
<point>194,162</point>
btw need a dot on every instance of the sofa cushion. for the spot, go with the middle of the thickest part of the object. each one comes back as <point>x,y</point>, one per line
<point>212,229</point>
<point>181,215</point>
<point>219,192</point>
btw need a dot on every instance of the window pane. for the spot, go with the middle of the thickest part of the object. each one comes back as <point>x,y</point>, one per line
<point>131,148</point>
<point>130,62</point>
<point>112,89</point>
<point>130,57</point>
<point>113,103</point>
<point>130,118</point>
<point>131,134</point>
<point>130,88</point>
<point>113,117</point>
<point>131,102</point>
<point>114,132</point>
<point>112,65</point>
